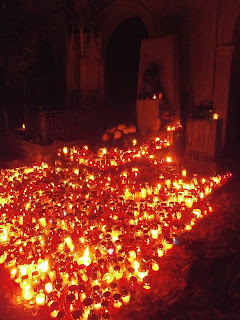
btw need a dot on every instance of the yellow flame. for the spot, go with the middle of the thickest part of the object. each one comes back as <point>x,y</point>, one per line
<point>134,142</point>
<point>160,252</point>
<point>85,259</point>
<point>65,150</point>
<point>40,299</point>
<point>184,172</point>
<point>28,292</point>
<point>48,287</point>
<point>43,266</point>
<point>54,313</point>
<point>4,235</point>
<point>23,270</point>
<point>86,253</point>
<point>76,171</point>
<point>136,265</point>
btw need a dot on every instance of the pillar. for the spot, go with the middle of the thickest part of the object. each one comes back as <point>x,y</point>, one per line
<point>222,83</point>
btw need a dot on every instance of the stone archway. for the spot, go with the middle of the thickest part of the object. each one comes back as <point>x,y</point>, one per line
<point>113,14</point>
<point>121,68</point>
<point>112,17</point>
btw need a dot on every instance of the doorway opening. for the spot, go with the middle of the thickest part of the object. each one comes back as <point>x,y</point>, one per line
<point>121,69</point>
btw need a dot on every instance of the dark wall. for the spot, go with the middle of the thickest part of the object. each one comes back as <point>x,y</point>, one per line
<point>232,144</point>
<point>32,53</point>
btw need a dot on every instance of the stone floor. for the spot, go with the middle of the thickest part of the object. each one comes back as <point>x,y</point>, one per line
<point>213,280</point>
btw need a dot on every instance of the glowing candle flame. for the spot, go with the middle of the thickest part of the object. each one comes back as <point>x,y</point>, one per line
<point>65,150</point>
<point>48,287</point>
<point>4,235</point>
<point>108,277</point>
<point>136,265</point>
<point>23,270</point>
<point>197,212</point>
<point>184,172</point>
<point>155,266</point>
<point>160,252</point>
<point>54,313</point>
<point>126,298</point>
<point>28,292</point>
<point>40,299</point>
<point>85,259</point>
<point>43,267</point>
<point>154,234</point>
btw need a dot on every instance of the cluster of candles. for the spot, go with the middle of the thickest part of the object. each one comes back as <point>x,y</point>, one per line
<point>82,242</point>
<point>105,159</point>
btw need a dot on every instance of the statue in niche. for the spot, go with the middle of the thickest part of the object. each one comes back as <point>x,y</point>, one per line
<point>152,89</point>
<point>151,83</point>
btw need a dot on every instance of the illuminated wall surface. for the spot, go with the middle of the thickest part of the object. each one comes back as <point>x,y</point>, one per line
<point>83,237</point>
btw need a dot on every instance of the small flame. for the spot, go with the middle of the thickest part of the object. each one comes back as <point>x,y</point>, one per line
<point>85,259</point>
<point>43,266</point>
<point>76,171</point>
<point>23,270</point>
<point>40,299</point>
<point>48,287</point>
<point>4,235</point>
<point>28,292</point>
<point>54,313</point>
<point>86,253</point>
<point>184,172</point>
<point>65,150</point>
<point>136,265</point>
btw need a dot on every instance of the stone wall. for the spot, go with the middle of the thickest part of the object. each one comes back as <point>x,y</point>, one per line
<point>21,152</point>
<point>203,27</point>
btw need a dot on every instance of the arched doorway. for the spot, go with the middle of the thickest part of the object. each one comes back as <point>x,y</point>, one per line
<point>121,69</point>
<point>232,143</point>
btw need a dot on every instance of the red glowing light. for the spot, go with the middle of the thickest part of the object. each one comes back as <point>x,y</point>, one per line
<point>73,233</point>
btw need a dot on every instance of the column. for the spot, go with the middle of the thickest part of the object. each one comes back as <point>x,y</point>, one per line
<point>221,84</point>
